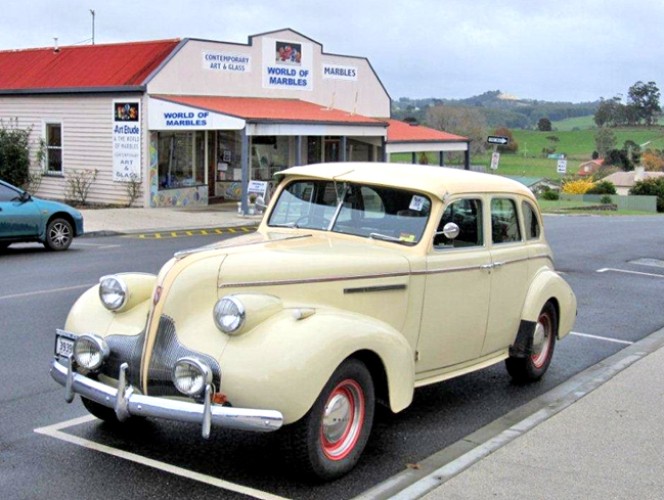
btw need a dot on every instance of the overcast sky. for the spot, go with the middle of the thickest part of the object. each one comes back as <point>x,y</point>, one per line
<point>563,50</point>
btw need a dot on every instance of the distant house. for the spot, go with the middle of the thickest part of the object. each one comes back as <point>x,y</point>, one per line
<point>624,181</point>
<point>536,184</point>
<point>590,167</point>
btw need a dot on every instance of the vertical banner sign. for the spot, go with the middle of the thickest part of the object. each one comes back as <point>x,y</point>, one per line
<point>126,141</point>
<point>562,166</point>
<point>495,160</point>
<point>287,65</point>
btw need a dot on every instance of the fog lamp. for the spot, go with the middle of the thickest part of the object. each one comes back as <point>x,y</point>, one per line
<point>191,375</point>
<point>90,351</point>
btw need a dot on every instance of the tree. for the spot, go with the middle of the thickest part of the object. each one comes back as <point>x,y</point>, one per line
<point>645,99</point>
<point>653,161</point>
<point>544,125</point>
<point>611,113</point>
<point>468,122</point>
<point>605,140</point>
<point>14,154</point>
<point>512,146</point>
<point>620,158</point>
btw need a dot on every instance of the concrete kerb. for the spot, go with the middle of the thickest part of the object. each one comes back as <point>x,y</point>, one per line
<point>440,467</point>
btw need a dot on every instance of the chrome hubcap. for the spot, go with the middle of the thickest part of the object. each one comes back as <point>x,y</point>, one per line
<point>541,341</point>
<point>343,418</point>
<point>59,234</point>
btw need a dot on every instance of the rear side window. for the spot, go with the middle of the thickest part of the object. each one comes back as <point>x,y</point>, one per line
<point>504,221</point>
<point>531,222</point>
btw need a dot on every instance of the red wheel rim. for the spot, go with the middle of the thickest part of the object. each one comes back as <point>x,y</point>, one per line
<point>343,420</point>
<point>542,340</point>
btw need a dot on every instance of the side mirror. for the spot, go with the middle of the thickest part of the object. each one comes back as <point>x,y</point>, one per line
<point>450,231</point>
<point>24,197</point>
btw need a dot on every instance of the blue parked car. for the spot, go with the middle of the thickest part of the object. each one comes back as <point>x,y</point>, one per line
<point>26,218</point>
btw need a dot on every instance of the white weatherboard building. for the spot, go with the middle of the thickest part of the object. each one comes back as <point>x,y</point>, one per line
<point>195,121</point>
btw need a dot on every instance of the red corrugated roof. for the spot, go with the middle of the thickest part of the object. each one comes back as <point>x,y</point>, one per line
<point>399,131</point>
<point>279,110</point>
<point>83,66</point>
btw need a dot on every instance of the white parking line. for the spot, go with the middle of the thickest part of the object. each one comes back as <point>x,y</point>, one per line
<point>42,292</point>
<point>605,269</point>
<point>55,431</point>
<point>597,337</point>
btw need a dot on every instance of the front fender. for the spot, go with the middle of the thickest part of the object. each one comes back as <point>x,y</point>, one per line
<point>88,314</point>
<point>284,362</point>
<point>546,286</point>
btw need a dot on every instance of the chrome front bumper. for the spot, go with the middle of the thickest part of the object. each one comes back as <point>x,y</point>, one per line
<point>126,401</point>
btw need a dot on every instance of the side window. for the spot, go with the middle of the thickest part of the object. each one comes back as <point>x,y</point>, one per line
<point>467,214</point>
<point>54,148</point>
<point>504,221</point>
<point>531,222</point>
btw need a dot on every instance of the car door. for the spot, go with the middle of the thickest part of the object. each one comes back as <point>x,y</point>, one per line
<point>457,290</point>
<point>18,219</point>
<point>509,273</point>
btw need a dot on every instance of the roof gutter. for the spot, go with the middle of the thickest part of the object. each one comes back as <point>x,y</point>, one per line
<point>75,90</point>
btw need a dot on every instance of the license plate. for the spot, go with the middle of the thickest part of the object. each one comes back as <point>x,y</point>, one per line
<point>64,343</point>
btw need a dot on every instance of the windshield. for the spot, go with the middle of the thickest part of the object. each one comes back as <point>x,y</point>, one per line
<point>384,213</point>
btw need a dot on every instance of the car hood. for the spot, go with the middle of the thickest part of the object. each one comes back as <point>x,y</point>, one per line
<point>277,258</point>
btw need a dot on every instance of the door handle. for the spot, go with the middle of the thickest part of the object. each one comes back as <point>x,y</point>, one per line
<point>486,267</point>
<point>498,264</point>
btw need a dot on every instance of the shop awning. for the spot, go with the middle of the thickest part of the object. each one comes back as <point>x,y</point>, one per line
<point>261,116</point>
<point>403,137</point>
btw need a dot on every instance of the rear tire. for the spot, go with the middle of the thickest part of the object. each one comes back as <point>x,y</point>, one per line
<point>328,441</point>
<point>532,367</point>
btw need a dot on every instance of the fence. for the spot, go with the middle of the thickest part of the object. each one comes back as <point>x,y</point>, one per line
<point>640,203</point>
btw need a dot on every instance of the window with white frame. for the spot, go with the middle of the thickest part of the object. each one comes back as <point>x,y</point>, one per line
<point>53,144</point>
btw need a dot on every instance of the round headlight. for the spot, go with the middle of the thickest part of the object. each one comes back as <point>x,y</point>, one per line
<point>90,351</point>
<point>229,314</point>
<point>191,375</point>
<point>113,292</point>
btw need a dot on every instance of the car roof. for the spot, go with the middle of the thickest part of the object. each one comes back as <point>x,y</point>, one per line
<point>436,181</point>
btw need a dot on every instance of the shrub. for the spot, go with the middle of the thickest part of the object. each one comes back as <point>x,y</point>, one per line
<point>14,154</point>
<point>602,187</point>
<point>605,200</point>
<point>79,183</point>
<point>550,195</point>
<point>652,187</point>
<point>579,186</point>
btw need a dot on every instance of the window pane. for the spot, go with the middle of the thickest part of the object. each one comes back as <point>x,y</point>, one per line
<point>467,215</point>
<point>54,160</point>
<point>54,135</point>
<point>530,221</point>
<point>504,221</point>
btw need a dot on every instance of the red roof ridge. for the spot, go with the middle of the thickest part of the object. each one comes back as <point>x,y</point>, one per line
<point>96,45</point>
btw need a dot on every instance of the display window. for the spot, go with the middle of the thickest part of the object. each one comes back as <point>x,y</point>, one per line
<point>269,155</point>
<point>181,159</point>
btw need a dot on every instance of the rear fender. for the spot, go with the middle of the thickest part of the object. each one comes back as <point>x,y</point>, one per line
<point>549,286</point>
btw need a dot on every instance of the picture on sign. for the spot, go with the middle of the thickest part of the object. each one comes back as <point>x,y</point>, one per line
<point>289,53</point>
<point>126,111</point>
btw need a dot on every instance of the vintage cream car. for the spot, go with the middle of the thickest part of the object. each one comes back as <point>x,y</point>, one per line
<point>363,282</point>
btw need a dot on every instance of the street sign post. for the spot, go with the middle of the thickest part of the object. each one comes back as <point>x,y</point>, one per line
<point>495,159</point>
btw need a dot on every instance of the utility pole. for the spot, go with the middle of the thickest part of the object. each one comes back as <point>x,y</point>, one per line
<point>92,12</point>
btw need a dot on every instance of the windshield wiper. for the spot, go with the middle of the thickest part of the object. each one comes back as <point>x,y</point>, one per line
<point>384,237</point>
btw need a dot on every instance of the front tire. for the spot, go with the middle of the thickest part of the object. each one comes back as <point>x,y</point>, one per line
<point>532,367</point>
<point>328,441</point>
<point>59,235</point>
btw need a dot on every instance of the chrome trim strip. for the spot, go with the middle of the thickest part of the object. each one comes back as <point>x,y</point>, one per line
<point>368,289</point>
<point>305,281</point>
<point>182,411</point>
